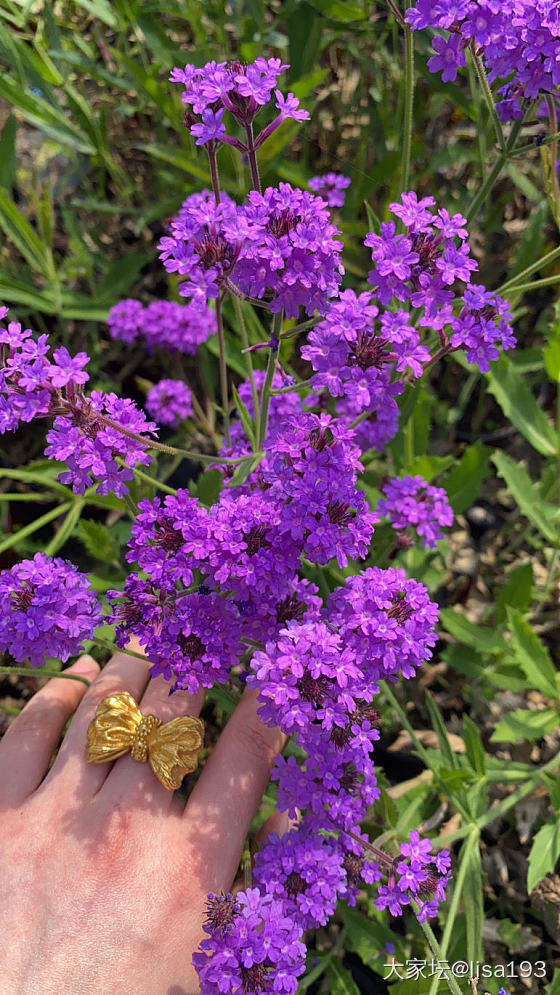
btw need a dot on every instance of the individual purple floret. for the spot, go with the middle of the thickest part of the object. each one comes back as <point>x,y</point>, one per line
<point>482,327</point>
<point>413,503</point>
<point>418,875</point>
<point>238,88</point>
<point>252,946</point>
<point>331,187</point>
<point>304,871</point>
<point>169,402</point>
<point>518,41</point>
<point>175,327</point>
<point>386,619</point>
<point>48,610</point>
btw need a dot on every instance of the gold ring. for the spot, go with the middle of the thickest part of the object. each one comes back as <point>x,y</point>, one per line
<point>171,748</point>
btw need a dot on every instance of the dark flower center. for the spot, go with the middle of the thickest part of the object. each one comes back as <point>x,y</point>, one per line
<point>290,609</point>
<point>314,689</point>
<point>320,438</point>
<point>256,539</point>
<point>167,537</point>
<point>254,978</point>
<point>353,865</point>
<point>23,599</point>
<point>368,350</point>
<point>401,610</point>
<point>295,884</point>
<point>280,223</point>
<point>192,646</point>
<point>349,778</point>
<point>339,512</point>
<point>213,250</point>
<point>427,249</point>
<point>221,910</point>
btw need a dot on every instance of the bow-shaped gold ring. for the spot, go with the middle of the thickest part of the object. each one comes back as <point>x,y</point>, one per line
<point>118,727</point>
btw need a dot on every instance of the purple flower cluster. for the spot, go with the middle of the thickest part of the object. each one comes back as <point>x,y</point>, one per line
<point>279,246</point>
<point>331,187</point>
<point>518,39</point>
<point>48,610</point>
<point>252,946</point>
<point>98,437</point>
<point>240,89</point>
<point>175,327</point>
<point>413,503</point>
<point>169,402</point>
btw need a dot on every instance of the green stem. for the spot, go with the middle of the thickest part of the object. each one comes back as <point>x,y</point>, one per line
<point>451,911</point>
<point>408,106</point>
<point>252,156</point>
<point>435,948</point>
<point>155,483</point>
<point>531,146</point>
<point>248,355</point>
<point>223,369</point>
<point>545,260</point>
<point>262,424</point>
<point>304,385</point>
<point>486,187</point>
<point>43,672</point>
<point>28,530</point>
<point>483,80</point>
<point>480,132</point>
<point>547,281</point>
<point>130,505</point>
<point>106,644</point>
<point>553,118</point>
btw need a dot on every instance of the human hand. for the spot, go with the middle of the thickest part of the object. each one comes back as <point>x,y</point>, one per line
<point>105,872</point>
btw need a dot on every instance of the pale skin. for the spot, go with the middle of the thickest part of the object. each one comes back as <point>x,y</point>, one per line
<point>104,871</point>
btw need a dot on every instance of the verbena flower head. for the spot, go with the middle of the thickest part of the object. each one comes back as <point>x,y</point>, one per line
<point>48,610</point>
<point>418,874</point>
<point>304,871</point>
<point>239,88</point>
<point>412,503</point>
<point>425,269</point>
<point>386,619</point>
<point>171,326</point>
<point>259,950</point>
<point>169,402</point>
<point>331,187</point>
<point>166,536</point>
<point>98,437</point>
<point>517,39</point>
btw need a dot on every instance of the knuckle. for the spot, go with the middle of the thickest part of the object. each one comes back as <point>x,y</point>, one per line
<point>259,743</point>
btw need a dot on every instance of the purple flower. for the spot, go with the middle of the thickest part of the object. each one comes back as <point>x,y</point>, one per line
<point>331,186</point>
<point>449,57</point>
<point>125,320</point>
<point>259,950</point>
<point>49,609</point>
<point>169,402</point>
<point>166,535</point>
<point>288,107</point>
<point>304,872</point>
<point>413,503</point>
<point>211,126</point>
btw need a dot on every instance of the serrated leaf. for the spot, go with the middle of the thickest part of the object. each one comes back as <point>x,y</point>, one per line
<point>454,779</point>
<point>544,854</point>
<point>517,592</point>
<point>525,725</point>
<point>520,407</point>
<point>532,655</point>
<point>97,540</point>
<point>527,495</point>
<point>463,482</point>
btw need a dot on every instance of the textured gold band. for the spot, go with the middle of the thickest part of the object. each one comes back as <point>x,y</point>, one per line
<point>171,748</point>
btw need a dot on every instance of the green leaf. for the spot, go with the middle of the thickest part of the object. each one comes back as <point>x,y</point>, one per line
<point>244,468</point>
<point>527,495</point>
<point>340,980</point>
<point>365,937</point>
<point>474,745</point>
<point>8,152</point>
<point>339,10</point>
<point>552,353</point>
<point>20,232</point>
<point>120,276</point>
<point>532,655</point>
<point>208,486</point>
<point>473,902</point>
<point>544,854</point>
<point>454,779</point>
<point>520,407</point>
<point>98,541</point>
<point>517,592</point>
<point>525,725</point>
<point>438,726</point>
<point>478,637</point>
<point>430,466</point>
<point>554,987</point>
<point>463,482</point>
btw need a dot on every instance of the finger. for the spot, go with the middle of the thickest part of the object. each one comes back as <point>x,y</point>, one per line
<point>31,740</point>
<point>122,673</point>
<point>279,823</point>
<point>137,780</point>
<point>227,794</point>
